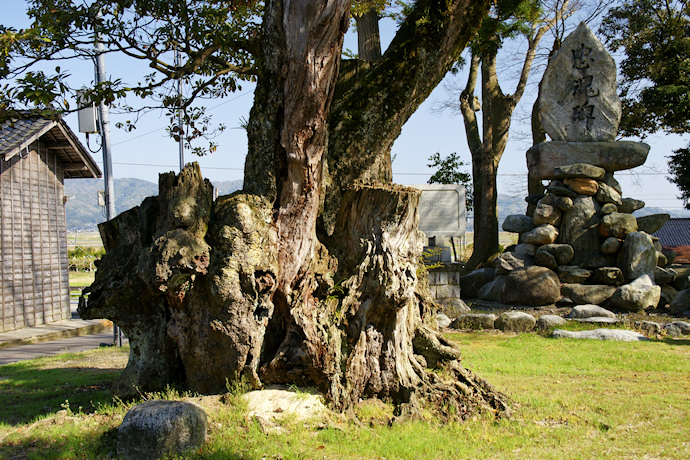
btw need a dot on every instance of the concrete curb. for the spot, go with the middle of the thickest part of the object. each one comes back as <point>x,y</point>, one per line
<point>53,331</point>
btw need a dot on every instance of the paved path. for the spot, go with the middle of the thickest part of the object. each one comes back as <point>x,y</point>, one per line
<point>70,335</point>
<point>72,345</point>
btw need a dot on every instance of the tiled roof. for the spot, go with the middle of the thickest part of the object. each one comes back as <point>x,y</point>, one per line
<point>17,135</point>
<point>676,232</point>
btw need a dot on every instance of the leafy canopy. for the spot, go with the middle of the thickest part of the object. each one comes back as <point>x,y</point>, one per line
<point>448,172</point>
<point>655,73</point>
<point>217,42</point>
<point>507,19</point>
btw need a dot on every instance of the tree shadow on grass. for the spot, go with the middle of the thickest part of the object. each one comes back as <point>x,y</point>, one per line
<point>673,341</point>
<point>29,392</point>
<point>86,444</point>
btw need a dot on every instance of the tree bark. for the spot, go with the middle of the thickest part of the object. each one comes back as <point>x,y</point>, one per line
<point>368,36</point>
<point>487,148</point>
<point>370,109</point>
<point>535,186</point>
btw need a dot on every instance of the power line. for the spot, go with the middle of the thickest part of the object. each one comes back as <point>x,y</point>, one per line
<point>525,174</point>
<point>173,166</point>
<point>161,129</point>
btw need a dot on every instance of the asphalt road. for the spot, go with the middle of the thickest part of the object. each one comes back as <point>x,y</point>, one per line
<point>87,342</point>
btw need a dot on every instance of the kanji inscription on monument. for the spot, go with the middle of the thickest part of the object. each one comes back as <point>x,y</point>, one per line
<point>578,96</point>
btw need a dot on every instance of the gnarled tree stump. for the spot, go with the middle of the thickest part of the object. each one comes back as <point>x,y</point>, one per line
<point>194,285</point>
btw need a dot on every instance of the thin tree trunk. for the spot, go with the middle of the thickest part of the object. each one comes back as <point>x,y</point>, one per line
<point>535,186</point>
<point>484,170</point>
<point>487,149</point>
<point>368,36</point>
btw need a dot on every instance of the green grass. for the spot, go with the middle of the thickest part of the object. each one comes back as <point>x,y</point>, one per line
<point>35,388</point>
<point>80,279</point>
<point>572,399</point>
<point>85,239</point>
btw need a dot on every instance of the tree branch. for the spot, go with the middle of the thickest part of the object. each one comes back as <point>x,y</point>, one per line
<point>368,117</point>
<point>468,106</point>
<point>560,14</point>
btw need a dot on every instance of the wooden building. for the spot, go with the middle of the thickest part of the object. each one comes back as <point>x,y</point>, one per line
<point>675,235</point>
<point>36,155</point>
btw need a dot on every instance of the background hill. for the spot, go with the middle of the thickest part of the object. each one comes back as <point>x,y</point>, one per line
<point>84,214</point>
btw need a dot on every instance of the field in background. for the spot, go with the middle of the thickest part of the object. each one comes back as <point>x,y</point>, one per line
<point>84,239</point>
<point>82,244</point>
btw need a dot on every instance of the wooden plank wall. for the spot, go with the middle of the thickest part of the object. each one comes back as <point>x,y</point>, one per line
<point>33,242</point>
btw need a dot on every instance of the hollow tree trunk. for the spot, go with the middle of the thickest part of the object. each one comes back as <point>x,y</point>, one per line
<point>201,303</point>
<point>243,288</point>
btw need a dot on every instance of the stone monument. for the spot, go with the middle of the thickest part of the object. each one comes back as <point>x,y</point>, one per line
<point>442,216</point>
<point>581,111</point>
<point>581,240</point>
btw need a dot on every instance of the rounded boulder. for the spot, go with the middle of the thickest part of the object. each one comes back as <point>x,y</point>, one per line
<point>515,321</point>
<point>533,285</point>
<point>161,428</point>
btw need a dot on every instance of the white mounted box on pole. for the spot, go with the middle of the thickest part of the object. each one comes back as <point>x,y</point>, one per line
<point>86,114</point>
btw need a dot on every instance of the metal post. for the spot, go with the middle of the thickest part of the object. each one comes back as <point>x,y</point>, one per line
<point>178,63</point>
<point>104,120</point>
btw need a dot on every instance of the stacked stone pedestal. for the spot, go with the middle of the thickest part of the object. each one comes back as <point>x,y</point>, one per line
<point>579,242</point>
<point>583,232</point>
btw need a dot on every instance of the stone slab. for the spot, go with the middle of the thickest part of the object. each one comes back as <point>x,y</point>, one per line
<point>612,156</point>
<point>578,96</point>
<point>600,334</point>
<point>442,210</point>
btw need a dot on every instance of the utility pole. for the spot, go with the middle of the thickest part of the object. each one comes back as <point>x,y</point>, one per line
<point>105,136</point>
<point>178,63</point>
<point>104,119</point>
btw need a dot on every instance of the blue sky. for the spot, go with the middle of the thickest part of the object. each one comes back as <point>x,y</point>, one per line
<point>147,151</point>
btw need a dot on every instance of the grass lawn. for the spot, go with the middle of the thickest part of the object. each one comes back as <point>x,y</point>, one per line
<point>572,399</point>
<point>81,279</point>
<point>84,239</point>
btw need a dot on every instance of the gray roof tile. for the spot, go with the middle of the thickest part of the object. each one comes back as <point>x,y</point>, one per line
<point>676,232</point>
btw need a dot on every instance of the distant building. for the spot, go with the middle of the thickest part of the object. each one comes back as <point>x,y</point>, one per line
<point>675,235</point>
<point>36,155</point>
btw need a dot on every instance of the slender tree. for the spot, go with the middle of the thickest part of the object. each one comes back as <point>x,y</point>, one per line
<point>487,140</point>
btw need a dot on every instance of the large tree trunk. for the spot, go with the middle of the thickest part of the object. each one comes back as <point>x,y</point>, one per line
<point>370,109</point>
<point>243,288</point>
<point>202,302</point>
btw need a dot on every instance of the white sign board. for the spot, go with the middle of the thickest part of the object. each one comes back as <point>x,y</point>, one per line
<point>442,210</point>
